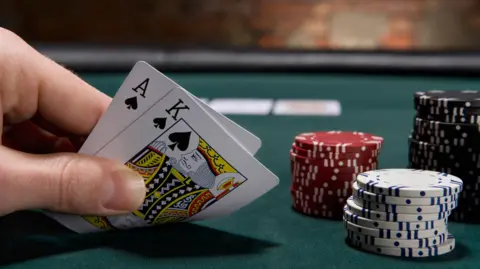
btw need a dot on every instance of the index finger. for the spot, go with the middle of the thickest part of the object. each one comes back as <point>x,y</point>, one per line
<point>34,84</point>
<point>67,101</point>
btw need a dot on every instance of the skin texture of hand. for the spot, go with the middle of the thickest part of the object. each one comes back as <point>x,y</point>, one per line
<point>47,112</point>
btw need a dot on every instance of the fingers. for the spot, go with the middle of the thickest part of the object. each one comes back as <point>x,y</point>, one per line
<point>75,141</point>
<point>48,126</point>
<point>67,182</point>
<point>28,137</point>
<point>31,83</point>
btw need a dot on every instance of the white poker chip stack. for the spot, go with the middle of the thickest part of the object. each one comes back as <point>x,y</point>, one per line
<point>402,212</point>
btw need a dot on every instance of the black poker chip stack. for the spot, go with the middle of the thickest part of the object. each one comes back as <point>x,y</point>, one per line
<point>446,138</point>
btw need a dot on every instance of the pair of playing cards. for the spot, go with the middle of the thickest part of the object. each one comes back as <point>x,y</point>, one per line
<point>196,163</point>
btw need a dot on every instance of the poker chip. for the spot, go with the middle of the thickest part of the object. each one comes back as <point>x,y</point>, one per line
<point>424,146</point>
<point>445,143</point>
<point>317,205</point>
<point>308,169</point>
<point>323,167</point>
<point>382,242</point>
<point>444,129</point>
<point>448,99</point>
<point>467,212</point>
<point>393,234</point>
<point>467,164</point>
<point>388,208</point>
<point>445,138</point>
<point>333,163</point>
<point>316,180</point>
<point>339,141</point>
<point>402,212</point>
<point>334,155</point>
<point>413,252</point>
<point>396,211</point>
<point>441,133</point>
<point>428,112</point>
<point>340,188</point>
<point>318,198</point>
<point>378,215</point>
<point>469,176</point>
<point>406,201</point>
<point>467,159</point>
<point>456,117</point>
<point>429,156</point>
<point>393,225</point>
<point>467,143</point>
<point>410,183</point>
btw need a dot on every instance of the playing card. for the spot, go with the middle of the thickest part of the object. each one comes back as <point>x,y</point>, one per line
<point>142,88</point>
<point>248,140</point>
<point>192,167</point>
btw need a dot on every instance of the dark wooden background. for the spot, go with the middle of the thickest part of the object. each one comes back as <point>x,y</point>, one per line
<point>299,24</point>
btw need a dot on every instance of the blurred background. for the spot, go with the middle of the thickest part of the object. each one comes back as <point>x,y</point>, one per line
<point>75,31</point>
<point>208,47</point>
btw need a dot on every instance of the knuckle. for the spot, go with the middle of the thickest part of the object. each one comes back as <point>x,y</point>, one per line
<point>79,183</point>
<point>11,45</point>
<point>7,34</point>
<point>18,89</point>
<point>66,180</point>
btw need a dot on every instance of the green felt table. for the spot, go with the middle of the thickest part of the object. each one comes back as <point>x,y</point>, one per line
<point>267,233</point>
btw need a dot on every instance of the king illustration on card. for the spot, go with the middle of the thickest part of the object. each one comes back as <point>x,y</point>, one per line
<point>183,175</point>
<point>192,166</point>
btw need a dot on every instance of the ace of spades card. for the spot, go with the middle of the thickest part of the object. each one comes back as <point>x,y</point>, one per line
<point>192,167</point>
<point>142,89</point>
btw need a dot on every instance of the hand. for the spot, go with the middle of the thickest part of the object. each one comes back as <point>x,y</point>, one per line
<point>47,111</point>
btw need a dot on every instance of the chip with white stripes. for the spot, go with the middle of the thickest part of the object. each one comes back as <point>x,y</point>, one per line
<point>394,225</point>
<point>392,200</point>
<point>412,243</point>
<point>405,209</point>
<point>393,234</point>
<point>437,250</point>
<point>377,215</point>
<point>409,183</point>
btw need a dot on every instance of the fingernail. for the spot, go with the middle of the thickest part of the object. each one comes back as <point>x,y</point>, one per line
<point>128,190</point>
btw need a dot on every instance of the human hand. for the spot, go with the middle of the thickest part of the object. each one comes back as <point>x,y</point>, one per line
<point>47,111</point>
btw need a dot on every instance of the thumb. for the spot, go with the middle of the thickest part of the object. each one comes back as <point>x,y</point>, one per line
<point>67,182</point>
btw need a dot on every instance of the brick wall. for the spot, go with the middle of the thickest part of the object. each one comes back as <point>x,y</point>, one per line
<point>338,24</point>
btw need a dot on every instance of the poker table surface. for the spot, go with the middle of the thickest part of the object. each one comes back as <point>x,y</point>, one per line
<point>267,233</point>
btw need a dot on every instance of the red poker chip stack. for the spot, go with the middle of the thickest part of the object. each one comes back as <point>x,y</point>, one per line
<point>324,166</point>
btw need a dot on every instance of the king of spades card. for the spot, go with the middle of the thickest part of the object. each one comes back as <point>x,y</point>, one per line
<point>183,175</point>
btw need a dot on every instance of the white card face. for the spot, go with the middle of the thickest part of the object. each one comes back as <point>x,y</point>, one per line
<point>142,88</point>
<point>248,140</point>
<point>192,167</point>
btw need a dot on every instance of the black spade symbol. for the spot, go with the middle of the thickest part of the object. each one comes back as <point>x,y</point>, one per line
<point>179,140</point>
<point>159,123</point>
<point>131,103</point>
